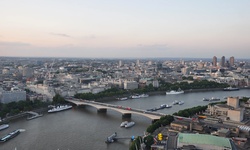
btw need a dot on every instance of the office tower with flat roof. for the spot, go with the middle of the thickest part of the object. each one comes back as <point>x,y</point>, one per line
<point>231,61</point>
<point>214,61</point>
<point>137,62</point>
<point>222,61</point>
<point>120,63</point>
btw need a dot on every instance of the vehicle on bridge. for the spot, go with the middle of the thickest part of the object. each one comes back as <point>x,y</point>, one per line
<point>128,108</point>
<point>119,106</point>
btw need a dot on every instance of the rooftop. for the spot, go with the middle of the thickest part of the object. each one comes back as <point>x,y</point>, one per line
<point>202,139</point>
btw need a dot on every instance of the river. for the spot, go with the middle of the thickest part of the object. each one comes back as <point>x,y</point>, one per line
<point>85,129</point>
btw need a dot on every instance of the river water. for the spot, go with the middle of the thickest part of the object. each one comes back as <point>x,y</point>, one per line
<point>85,129</point>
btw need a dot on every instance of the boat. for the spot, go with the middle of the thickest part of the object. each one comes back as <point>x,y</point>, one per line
<point>231,89</point>
<point>214,99</point>
<point>124,123</point>
<point>129,124</point>
<point>3,126</point>
<point>60,108</point>
<point>123,98</point>
<point>205,99</point>
<point>179,91</point>
<point>144,95</point>
<point>10,135</point>
<point>168,106</point>
<point>181,102</point>
<point>135,96</point>
<point>163,106</point>
<point>175,102</point>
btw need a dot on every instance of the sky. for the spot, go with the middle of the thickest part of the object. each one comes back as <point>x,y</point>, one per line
<point>125,28</point>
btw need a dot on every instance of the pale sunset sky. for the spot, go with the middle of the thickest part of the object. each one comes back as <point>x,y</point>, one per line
<point>125,28</point>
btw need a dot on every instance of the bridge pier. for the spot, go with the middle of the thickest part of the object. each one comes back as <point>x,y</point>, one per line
<point>128,115</point>
<point>102,110</point>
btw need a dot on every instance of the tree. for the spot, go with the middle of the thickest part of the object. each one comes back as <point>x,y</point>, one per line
<point>58,99</point>
<point>149,140</point>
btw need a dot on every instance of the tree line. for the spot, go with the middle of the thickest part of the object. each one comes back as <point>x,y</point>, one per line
<point>164,86</point>
<point>14,108</point>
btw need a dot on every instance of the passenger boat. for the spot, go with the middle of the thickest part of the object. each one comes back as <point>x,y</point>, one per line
<point>124,123</point>
<point>175,102</point>
<point>59,108</point>
<point>231,89</point>
<point>205,99</point>
<point>179,91</point>
<point>214,99</point>
<point>123,98</point>
<point>135,96</point>
<point>10,135</point>
<point>3,126</point>
<point>130,124</point>
<point>168,106</point>
<point>163,106</point>
<point>144,95</point>
<point>181,102</point>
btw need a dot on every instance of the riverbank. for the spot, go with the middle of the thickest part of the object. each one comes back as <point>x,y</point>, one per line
<point>153,93</point>
<point>23,115</point>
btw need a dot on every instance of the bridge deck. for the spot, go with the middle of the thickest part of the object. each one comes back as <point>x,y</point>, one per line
<point>123,110</point>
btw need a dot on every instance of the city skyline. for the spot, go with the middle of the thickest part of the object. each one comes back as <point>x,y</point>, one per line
<point>123,29</point>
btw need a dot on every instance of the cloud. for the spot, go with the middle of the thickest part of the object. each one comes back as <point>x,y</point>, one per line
<point>4,43</point>
<point>60,34</point>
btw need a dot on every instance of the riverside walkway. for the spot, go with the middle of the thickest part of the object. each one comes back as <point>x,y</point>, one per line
<point>126,111</point>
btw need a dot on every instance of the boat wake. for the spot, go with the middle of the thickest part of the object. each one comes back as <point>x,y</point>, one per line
<point>22,130</point>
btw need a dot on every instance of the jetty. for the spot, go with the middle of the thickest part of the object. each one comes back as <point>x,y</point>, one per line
<point>112,138</point>
<point>33,115</point>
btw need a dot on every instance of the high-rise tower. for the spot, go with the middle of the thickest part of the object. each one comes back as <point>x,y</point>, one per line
<point>222,61</point>
<point>120,63</point>
<point>214,61</point>
<point>231,61</point>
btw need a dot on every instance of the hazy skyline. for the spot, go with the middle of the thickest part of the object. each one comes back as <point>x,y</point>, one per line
<point>119,28</point>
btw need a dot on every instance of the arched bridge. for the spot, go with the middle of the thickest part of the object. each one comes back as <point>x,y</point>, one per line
<point>126,111</point>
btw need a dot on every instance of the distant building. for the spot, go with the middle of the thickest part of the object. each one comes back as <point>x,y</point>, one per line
<point>200,65</point>
<point>222,61</point>
<point>12,96</point>
<point>231,61</point>
<point>138,62</point>
<point>233,101</point>
<point>120,63</point>
<point>6,71</point>
<point>186,70</point>
<point>231,110</point>
<point>155,83</point>
<point>149,63</point>
<point>28,72</point>
<point>130,85</point>
<point>97,90</point>
<point>214,61</point>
